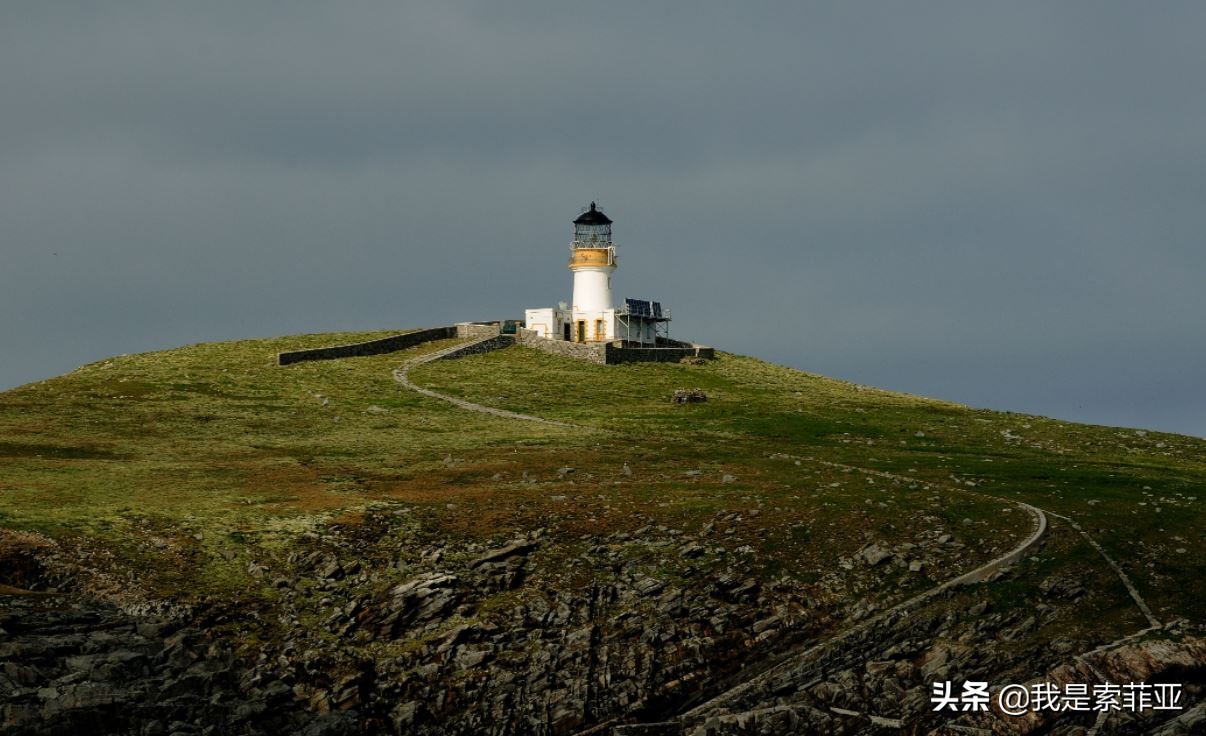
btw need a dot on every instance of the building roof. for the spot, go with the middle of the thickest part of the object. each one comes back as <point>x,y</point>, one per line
<point>592,217</point>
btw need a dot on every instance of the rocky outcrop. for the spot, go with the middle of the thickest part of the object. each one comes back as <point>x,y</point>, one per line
<point>72,665</point>
<point>556,661</point>
<point>1147,660</point>
<point>546,633</point>
<point>429,597</point>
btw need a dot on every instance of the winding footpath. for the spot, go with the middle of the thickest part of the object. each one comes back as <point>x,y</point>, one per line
<point>1126,581</point>
<point>796,659</point>
<point>401,375</point>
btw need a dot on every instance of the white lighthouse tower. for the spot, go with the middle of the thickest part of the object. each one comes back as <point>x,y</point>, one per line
<point>591,316</point>
<point>593,260</point>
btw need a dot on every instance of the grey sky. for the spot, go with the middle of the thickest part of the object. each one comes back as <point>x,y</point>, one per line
<point>1002,205</point>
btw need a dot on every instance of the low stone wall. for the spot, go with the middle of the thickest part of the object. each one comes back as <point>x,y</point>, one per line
<point>665,342</point>
<point>482,346</point>
<point>624,354</point>
<point>477,329</point>
<point>612,353</point>
<point>592,352</point>
<point>602,353</point>
<point>372,347</point>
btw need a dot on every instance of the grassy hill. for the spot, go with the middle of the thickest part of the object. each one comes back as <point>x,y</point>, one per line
<point>208,476</point>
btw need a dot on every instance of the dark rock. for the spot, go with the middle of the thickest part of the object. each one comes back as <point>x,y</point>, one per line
<point>648,586</point>
<point>519,547</point>
<point>689,396</point>
<point>874,555</point>
<point>86,667</point>
<point>330,569</point>
<point>428,597</point>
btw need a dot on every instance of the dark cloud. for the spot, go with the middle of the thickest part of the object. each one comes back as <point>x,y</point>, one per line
<point>996,205</point>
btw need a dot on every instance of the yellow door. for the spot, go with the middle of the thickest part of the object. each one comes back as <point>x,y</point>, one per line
<point>581,330</point>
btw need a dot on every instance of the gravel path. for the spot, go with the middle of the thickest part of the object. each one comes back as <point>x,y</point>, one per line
<point>1126,581</point>
<point>794,661</point>
<point>980,573</point>
<point>402,377</point>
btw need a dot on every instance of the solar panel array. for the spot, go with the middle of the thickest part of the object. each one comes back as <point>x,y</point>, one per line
<point>643,308</point>
<point>639,307</point>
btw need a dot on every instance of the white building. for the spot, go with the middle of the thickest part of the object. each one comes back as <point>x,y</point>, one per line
<point>592,316</point>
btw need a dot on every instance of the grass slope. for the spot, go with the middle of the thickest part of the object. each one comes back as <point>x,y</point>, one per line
<point>172,470</point>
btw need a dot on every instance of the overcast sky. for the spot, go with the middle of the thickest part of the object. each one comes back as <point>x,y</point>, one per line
<point>1002,205</point>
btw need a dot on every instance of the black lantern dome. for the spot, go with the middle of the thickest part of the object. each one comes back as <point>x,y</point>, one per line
<point>592,229</point>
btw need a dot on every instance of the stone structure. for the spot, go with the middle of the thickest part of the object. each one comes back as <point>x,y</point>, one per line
<point>621,353</point>
<point>477,329</point>
<point>615,352</point>
<point>486,345</point>
<point>391,344</point>
<point>592,352</point>
<point>689,396</point>
<point>602,353</point>
<point>372,347</point>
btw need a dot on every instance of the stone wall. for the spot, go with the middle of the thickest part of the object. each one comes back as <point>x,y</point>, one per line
<point>477,329</point>
<point>372,347</point>
<point>612,353</point>
<point>482,346</point>
<point>665,342</point>
<point>592,352</point>
<point>625,354</point>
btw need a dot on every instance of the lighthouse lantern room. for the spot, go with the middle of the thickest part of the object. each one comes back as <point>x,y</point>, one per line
<point>592,316</point>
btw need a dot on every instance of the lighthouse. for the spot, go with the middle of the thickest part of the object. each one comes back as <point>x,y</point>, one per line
<point>591,316</point>
<point>593,260</point>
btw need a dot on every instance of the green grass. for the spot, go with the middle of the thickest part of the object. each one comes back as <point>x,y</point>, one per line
<point>186,464</point>
<point>1098,475</point>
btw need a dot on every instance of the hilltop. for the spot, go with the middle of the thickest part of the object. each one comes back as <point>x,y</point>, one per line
<point>317,539</point>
